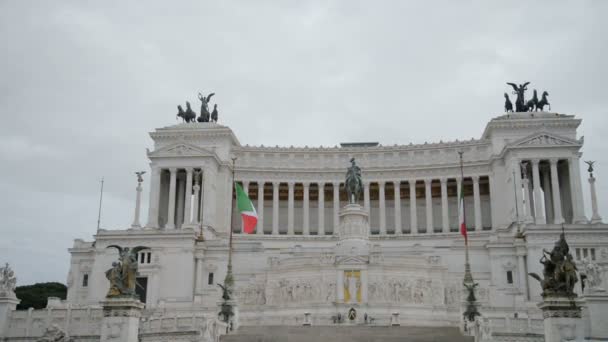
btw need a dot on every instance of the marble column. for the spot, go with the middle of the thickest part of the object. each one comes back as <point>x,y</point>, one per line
<point>413,213</point>
<point>557,201</point>
<point>397,199</point>
<point>539,215</point>
<point>321,197</point>
<point>428,206</point>
<point>246,190</point>
<point>275,208</point>
<point>138,190</point>
<point>260,226</point>
<point>340,286</point>
<point>290,204</point>
<point>546,174</point>
<point>208,204</point>
<point>382,207</point>
<point>336,187</point>
<point>519,209</point>
<point>595,218</point>
<point>188,197</point>
<point>576,191</point>
<point>366,202</point>
<point>459,183</point>
<point>196,188</point>
<point>521,270</point>
<point>154,198</point>
<point>445,217</point>
<point>477,203</point>
<point>528,208</point>
<point>171,209</point>
<point>305,210</point>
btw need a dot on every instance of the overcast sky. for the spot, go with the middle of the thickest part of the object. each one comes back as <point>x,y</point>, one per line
<point>83,82</point>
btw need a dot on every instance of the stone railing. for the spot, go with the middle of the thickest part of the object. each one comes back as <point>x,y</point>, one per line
<point>80,323</point>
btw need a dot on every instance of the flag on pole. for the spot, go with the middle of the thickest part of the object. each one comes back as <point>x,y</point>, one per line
<point>247,210</point>
<point>461,219</point>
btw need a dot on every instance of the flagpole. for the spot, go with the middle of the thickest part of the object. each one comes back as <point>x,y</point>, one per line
<point>468,277</point>
<point>229,280</point>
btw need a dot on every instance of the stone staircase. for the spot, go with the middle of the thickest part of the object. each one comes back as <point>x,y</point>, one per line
<point>345,334</point>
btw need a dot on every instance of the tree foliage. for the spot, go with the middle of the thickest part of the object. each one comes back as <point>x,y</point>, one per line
<point>35,296</point>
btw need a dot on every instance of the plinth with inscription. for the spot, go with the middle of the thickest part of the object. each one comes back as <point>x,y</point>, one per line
<point>562,319</point>
<point>121,319</point>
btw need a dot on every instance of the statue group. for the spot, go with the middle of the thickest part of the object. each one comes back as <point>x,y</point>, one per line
<point>123,272</point>
<point>559,271</point>
<point>8,281</point>
<point>189,115</point>
<point>521,105</point>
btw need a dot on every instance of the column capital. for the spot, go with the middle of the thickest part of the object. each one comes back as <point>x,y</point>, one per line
<point>428,181</point>
<point>306,184</point>
<point>320,183</point>
<point>276,184</point>
<point>189,169</point>
<point>291,184</point>
<point>381,183</point>
<point>535,161</point>
<point>260,182</point>
<point>443,180</point>
<point>173,169</point>
<point>396,183</point>
<point>366,183</point>
<point>245,182</point>
<point>335,184</point>
<point>411,181</point>
<point>553,161</point>
<point>475,178</point>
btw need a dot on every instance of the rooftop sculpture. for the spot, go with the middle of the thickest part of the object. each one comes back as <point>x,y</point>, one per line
<point>189,115</point>
<point>8,281</point>
<point>559,273</point>
<point>353,182</point>
<point>521,105</point>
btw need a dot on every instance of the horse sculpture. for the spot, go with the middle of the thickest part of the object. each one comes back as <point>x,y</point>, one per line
<point>214,113</point>
<point>508,104</point>
<point>353,182</point>
<point>532,104</point>
<point>189,115</point>
<point>543,102</point>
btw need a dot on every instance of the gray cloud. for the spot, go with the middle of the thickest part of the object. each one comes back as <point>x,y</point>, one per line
<point>83,83</point>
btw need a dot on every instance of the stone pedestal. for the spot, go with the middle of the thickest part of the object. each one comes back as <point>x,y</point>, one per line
<point>597,306</point>
<point>307,321</point>
<point>395,319</point>
<point>233,324</point>
<point>353,231</point>
<point>8,303</point>
<point>121,319</point>
<point>562,319</point>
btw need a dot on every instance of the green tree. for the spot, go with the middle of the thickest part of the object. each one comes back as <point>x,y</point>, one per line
<point>35,296</point>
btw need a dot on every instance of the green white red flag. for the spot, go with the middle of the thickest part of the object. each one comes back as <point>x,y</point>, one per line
<point>247,210</point>
<point>461,219</point>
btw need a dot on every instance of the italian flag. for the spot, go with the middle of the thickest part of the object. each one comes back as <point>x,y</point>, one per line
<point>247,210</point>
<point>461,220</point>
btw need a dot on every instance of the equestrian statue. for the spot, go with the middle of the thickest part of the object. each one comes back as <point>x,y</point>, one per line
<point>353,182</point>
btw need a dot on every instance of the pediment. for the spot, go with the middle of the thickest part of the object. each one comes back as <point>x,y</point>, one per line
<point>181,149</point>
<point>545,140</point>
<point>352,260</point>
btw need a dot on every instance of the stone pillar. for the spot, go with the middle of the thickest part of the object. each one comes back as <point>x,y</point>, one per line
<point>260,227</point>
<point>445,216</point>
<point>121,320</point>
<point>477,203</point>
<point>539,215</point>
<point>520,250</point>
<point>577,191</point>
<point>546,174</point>
<point>198,281</point>
<point>321,197</point>
<point>366,201</point>
<point>562,319</point>
<point>275,208</point>
<point>340,286</point>
<point>382,207</point>
<point>397,199</point>
<point>595,218</point>
<point>305,210</point>
<point>209,198</point>
<point>8,303</point>
<point>557,201</point>
<point>413,213</point>
<point>336,187</point>
<point>519,209</point>
<point>171,208</point>
<point>138,189</point>
<point>197,190</point>
<point>528,208</point>
<point>246,190</point>
<point>290,199</point>
<point>154,198</point>
<point>428,206</point>
<point>188,197</point>
<point>597,306</point>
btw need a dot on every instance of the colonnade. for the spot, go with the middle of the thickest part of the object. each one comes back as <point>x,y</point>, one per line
<point>399,191</point>
<point>551,190</point>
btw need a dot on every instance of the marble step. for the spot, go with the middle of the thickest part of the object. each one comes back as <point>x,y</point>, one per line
<point>345,334</point>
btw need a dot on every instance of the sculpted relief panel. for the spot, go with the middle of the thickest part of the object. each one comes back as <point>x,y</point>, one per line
<point>406,290</point>
<point>287,291</point>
